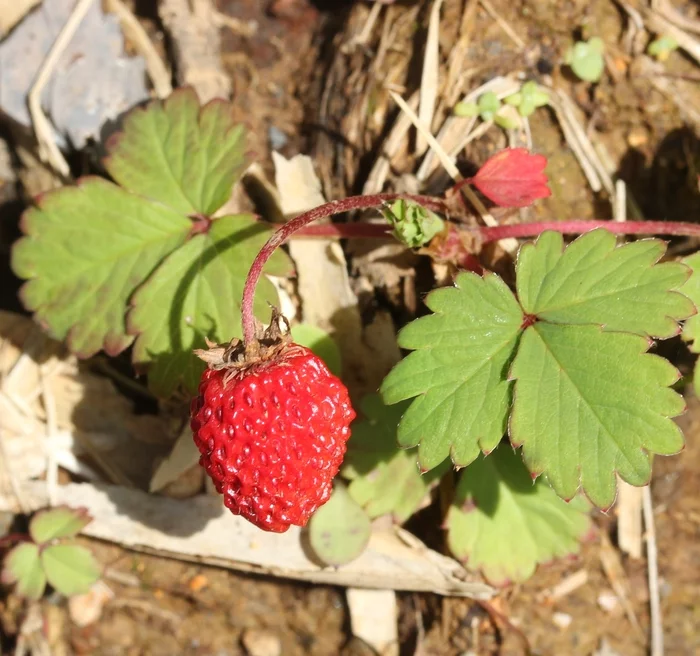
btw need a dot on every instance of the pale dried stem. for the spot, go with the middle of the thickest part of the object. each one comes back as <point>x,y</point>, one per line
<point>133,30</point>
<point>657,632</point>
<point>49,152</point>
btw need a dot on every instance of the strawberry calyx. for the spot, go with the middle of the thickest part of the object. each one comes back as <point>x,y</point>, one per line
<point>270,345</point>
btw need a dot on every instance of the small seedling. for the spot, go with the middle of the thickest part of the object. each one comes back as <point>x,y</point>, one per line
<point>528,99</point>
<point>662,47</point>
<point>586,59</point>
<point>50,555</point>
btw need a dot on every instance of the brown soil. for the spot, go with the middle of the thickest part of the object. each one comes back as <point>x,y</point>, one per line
<point>164,607</point>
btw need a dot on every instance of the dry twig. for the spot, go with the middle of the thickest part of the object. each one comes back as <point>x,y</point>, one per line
<point>133,30</point>
<point>48,150</point>
<point>657,631</point>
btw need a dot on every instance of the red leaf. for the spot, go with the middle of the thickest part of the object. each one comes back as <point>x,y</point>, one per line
<point>513,178</point>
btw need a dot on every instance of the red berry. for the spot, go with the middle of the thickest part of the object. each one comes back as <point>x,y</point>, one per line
<point>272,432</point>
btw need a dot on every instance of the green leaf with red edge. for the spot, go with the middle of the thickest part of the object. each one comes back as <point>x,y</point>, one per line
<point>70,568</point>
<point>505,524</point>
<point>513,177</point>
<point>595,282</point>
<point>85,251</point>
<point>179,154</point>
<point>457,370</point>
<point>590,403</point>
<point>691,329</point>
<point>196,293</point>
<point>385,479</point>
<point>22,565</point>
<point>588,400</point>
<point>57,523</point>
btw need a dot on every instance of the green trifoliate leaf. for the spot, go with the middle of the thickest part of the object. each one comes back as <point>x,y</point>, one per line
<point>70,568</point>
<point>458,371</point>
<point>196,293</point>
<point>385,479</point>
<point>586,59</point>
<point>595,282</point>
<point>691,329</point>
<point>504,524</point>
<point>179,154</point>
<point>588,400</point>
<point>57,523</point>
<point>339,530</point>
<point>23,566</point>
<point>589,403</point>
<point>321,343</point>
<point>414,225</point>
<point>85,251</point>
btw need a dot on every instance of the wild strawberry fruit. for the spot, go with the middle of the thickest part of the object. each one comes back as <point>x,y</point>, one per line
<point>271,424</point>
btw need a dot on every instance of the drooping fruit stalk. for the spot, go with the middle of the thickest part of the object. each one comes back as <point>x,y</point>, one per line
<point>288,229</point>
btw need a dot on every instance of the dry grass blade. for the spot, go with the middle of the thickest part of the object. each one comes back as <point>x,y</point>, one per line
<point>510,245</point>
<point>610,560</point>
<point>657,631</point>
<point>382,165</point>
<point>456,133</point>
<point>503,24</point>
<point>656,22</point>
<point>365,33</point>
<point>431,74</point>
<point>133,30</point>
<point>447,161</point>
<point>668,11</point>
<point>48,150</point>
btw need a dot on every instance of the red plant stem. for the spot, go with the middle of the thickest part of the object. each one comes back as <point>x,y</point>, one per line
<point>579,226</point>
<point>347,231</point>
<point>288,229</point>
<point>573,226</point>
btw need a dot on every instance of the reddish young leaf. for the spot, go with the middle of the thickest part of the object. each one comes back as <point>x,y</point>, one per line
<point>513,177</point>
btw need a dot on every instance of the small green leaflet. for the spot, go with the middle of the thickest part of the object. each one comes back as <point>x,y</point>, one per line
<point>70,568</point>
<point>458,371</point>
<point>504,524</point>
<point>57,523</point>
<point>588,400</point>
<point>339,530</point>
<point>384,478</point>
<point>594,282</point>
<point>179,154</point>
<point>586,59</point>
<point>195,294</point>
<point>590,403</point>
<point>691,329</point>
<point>86,249</point>
<point>23,566</point>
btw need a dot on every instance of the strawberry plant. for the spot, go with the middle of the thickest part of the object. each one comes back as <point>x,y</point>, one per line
<point>49,554</point>
<point>519,405</point>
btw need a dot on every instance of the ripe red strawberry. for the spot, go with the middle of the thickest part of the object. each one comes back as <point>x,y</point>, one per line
<point>272,427</point>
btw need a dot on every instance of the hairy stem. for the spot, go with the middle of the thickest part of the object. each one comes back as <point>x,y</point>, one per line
<point>288,229</point>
